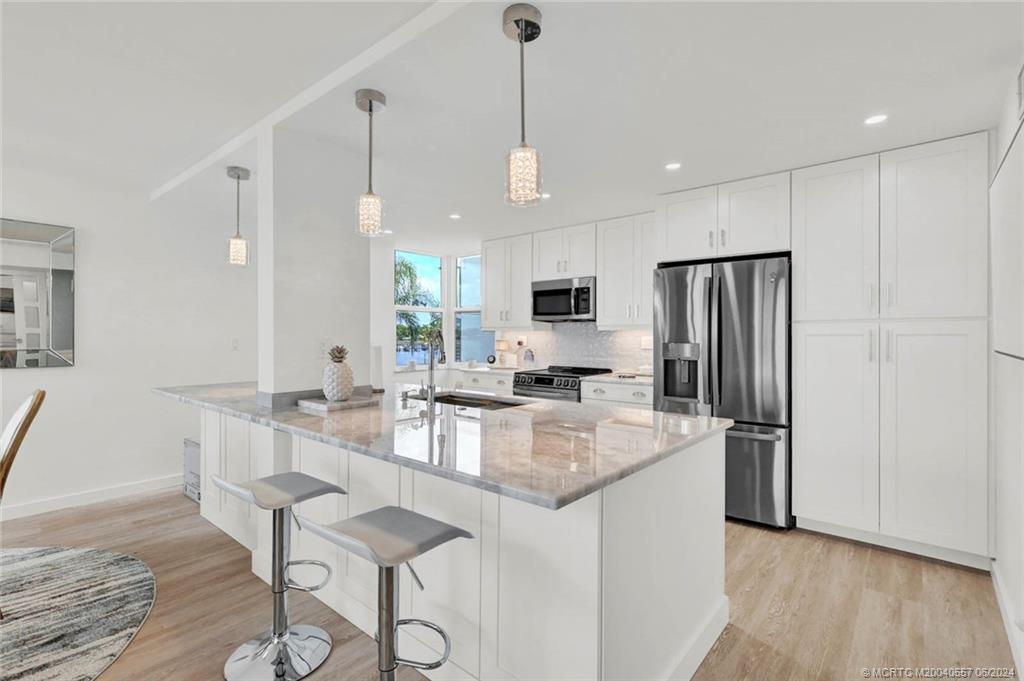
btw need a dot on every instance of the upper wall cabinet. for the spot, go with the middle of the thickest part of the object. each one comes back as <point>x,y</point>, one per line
<point>688,223</point>
<point>1007,219</point>
<point>564,253</point>
<point>506,297</point>
<point>753,215</point>
<point>934,260</point>
<point>835,240</point>
<point>625,267</point>
<point>749,216</point>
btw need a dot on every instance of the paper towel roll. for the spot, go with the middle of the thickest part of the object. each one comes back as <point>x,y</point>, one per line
<point>377,368</point>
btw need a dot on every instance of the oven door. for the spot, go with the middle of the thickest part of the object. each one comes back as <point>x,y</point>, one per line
<point>564,300</point>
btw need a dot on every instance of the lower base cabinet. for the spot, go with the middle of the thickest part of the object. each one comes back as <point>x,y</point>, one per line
<point>891,429</point>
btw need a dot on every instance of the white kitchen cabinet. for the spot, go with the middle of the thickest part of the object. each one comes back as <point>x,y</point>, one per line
<point>1008,377</point>
<point>753,215</point>
<point>506,282</point>
<point>1007,220</point>
<point>625,265</point>
<point>835,240</point>
<point>934,256</point>
<point>227,451</point>
<point>499,382</point>
<point>688,224</point>
<point>934,433</point>
<point>622,394</point>
<point>564,253</point>
<point>836,423</point>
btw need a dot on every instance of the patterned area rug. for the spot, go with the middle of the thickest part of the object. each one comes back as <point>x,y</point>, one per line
<point>68,613</point>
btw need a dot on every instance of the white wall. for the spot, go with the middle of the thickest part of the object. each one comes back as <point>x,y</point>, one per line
<point>156,305</point>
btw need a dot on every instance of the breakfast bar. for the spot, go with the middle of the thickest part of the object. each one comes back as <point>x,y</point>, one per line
<point>598,549</point>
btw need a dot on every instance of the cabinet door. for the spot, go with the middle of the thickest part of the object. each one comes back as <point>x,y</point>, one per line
<point>933,229</point>
<point>520,296</point>
<point>1008,376</point>
<point>648,258</point>
<point>1007,221</point>
<point>835,240</point>
<point>548,258</point>
<point>616,268</point>
<point>753,215</point>
<point>687,222</point>
<point>835,423</point>
<point>934,442</point>
<point>579,248</point>
<point>494,283</point>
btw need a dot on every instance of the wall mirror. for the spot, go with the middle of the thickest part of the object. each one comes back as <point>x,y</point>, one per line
<point>37,295</point>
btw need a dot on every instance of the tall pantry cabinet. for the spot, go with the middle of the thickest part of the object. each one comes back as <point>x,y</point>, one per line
<point>890,305</point>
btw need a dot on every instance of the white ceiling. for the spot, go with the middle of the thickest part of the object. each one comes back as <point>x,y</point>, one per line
<point>615,90</point>
<point>134,92</point>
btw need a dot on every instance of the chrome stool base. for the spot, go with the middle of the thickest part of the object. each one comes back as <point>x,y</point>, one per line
<point>288,658</point>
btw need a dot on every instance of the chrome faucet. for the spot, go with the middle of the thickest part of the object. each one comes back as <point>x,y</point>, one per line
<point>435,344</point>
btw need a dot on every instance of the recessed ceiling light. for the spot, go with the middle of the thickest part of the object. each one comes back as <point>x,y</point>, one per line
<point>674,165</point>
<point>455,216</point>
<point>875,120</point>
<point>545,195</point>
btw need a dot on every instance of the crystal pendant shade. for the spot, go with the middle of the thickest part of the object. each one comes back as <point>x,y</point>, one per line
<point>369,213</point>
<point>523,176</point>
<point>238,251</point>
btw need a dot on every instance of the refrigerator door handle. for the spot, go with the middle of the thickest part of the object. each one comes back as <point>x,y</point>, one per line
<point>716,321</point>
<point>706,355</point>
<point>746,435</point>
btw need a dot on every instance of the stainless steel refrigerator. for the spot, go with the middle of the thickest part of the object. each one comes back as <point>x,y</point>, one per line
<point>721,348</point>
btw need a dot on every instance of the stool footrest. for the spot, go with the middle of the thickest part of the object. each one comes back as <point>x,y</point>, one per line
<point>302,587</point>
<point>436,629</point>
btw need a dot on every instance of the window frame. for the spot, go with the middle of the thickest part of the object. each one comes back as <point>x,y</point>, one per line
<point>442,310</point>
<point>456,308</point>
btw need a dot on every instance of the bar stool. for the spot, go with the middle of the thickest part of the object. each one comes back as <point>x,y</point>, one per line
<point>390,536</point>
<point>285,652</point>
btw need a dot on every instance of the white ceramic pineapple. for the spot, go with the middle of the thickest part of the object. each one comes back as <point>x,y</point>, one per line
<point>338,385</point>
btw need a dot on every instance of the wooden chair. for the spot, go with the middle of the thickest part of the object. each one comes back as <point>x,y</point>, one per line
<point>14,433</point>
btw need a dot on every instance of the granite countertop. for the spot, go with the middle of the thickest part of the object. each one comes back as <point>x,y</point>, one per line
<point>544,452</point>
<point>621,380</point>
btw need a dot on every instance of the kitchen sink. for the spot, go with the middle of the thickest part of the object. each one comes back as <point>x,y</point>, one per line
<point>471,401</point>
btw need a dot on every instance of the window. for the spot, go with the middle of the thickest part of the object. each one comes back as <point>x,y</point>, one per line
<point>471,342</point>
<point>419,304</point>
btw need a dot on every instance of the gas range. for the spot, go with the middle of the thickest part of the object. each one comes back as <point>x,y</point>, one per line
<point>553,383</point>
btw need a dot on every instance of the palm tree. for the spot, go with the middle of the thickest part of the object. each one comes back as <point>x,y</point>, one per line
<point>409,291</point>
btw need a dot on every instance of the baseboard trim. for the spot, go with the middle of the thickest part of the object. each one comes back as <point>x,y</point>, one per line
<point>1010,616</point>
<point>698,647</point>
<point>89,497</point>
<point>927,550</point>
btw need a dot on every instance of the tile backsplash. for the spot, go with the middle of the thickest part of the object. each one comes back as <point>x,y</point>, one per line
<point>583,344</point>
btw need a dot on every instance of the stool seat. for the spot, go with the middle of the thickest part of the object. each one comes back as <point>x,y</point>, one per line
<point>387,536</point>
<point>278,491</point>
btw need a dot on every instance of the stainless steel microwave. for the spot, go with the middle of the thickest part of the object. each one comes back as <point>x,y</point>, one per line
<point>565,300</point>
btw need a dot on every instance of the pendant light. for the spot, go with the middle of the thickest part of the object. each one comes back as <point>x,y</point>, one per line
<point>370,210</point>
<point>521,22</point>
<point>238,248</point>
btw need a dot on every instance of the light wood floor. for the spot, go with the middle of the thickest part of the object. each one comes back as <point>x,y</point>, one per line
<point>803,606</point>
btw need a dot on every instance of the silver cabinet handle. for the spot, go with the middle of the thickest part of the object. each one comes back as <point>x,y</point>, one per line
<point>888,346</point>
<point>721,238</point>
<point>629,311</point>
<point>599,391</point>
<point>475,379</point>
<point>871,346</point>
<point>711,238</point>
<point>639,394</point>
<point>872,296</point>
<point>891,293</point>
<point>501,381</point>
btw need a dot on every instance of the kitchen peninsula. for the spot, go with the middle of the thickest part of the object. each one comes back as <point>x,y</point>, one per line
<point>599,530</point>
